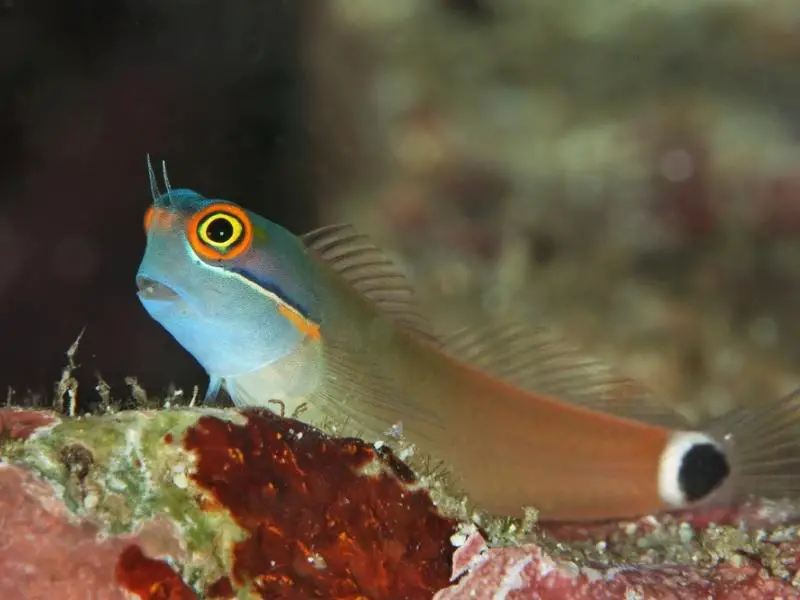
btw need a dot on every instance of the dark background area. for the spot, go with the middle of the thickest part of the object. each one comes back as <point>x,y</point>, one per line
<point>87,89</point>
<point>628,172</point>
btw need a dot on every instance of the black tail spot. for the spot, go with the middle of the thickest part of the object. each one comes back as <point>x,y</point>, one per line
<point>703,469</point>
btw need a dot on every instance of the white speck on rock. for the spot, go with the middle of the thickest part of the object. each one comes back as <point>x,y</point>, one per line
<point>180,480</point>
<point>318,561</point>
<point>460,537</point>
<point>91,500</point>
<point>406,453</point>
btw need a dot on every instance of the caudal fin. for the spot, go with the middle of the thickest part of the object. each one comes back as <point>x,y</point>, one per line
<point>762,443</point>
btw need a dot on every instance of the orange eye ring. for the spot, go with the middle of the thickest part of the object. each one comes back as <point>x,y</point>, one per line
<point>231,241</point>
<point>148,218</point>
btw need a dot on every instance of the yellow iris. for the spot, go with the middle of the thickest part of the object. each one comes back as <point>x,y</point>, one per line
<point>220,231</point>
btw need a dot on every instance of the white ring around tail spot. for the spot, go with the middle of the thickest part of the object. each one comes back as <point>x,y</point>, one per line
<point>669,468</point>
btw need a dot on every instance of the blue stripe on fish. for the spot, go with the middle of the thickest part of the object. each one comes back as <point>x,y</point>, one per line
<point>272,287</point>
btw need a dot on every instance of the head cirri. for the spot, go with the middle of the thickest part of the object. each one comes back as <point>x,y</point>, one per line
<point>233,288</point>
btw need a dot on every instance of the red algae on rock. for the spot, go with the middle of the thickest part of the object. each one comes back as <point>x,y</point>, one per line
<point>150,579</point>
<point>221,589</point>
<point>325,518</point>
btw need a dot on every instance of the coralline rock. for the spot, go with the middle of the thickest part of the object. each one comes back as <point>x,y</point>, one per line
<point>209,503</point>
<point>719,553</point>
<point>530,572</point>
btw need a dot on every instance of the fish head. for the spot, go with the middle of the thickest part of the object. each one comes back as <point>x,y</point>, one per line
<point>233,288</point>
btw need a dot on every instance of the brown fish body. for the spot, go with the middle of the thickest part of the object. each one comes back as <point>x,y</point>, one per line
<point>513,448</point>
<point>507,447</point>
<point>519,418</point>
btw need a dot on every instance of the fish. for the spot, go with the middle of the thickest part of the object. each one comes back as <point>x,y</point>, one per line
<point>520,417</point>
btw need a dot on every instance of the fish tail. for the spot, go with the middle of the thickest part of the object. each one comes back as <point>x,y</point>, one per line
<point>751,451</point>
<point>763,445</point>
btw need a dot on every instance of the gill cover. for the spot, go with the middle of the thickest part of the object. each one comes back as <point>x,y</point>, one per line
<point>233,288</point>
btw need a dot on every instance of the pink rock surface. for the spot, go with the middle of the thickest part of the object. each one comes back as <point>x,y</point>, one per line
<point>49,550</point>
<point>44,555</point>
<point>529,572</point>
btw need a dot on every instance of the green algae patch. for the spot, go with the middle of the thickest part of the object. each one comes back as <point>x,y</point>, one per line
<point>125,470</point>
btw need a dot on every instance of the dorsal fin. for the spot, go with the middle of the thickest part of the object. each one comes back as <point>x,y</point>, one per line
<point>540,360</point>
<point>368,270</point>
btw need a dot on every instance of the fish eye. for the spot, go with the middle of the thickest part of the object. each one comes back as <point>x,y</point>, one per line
<point>220,232</point>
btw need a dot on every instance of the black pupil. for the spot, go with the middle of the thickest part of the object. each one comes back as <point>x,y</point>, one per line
<point>219,230</point>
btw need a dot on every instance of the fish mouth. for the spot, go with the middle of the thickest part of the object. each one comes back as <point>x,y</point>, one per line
<point>150,289</point>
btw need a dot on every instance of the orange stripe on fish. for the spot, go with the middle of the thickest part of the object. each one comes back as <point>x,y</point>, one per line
<point>303,325</point>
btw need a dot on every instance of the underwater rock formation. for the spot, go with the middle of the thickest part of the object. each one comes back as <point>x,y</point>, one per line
<point>517,573</point>
<point>209,503</point>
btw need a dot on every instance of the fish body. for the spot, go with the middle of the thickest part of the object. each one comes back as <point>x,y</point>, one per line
<point>520,418</point>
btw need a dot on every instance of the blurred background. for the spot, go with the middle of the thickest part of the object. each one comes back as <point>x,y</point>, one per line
<point>628,171</point>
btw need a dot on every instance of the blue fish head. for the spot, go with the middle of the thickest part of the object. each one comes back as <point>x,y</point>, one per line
<point>236,290</point>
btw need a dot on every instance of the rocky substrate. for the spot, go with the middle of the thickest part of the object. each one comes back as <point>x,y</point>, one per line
<point>211,503</point>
